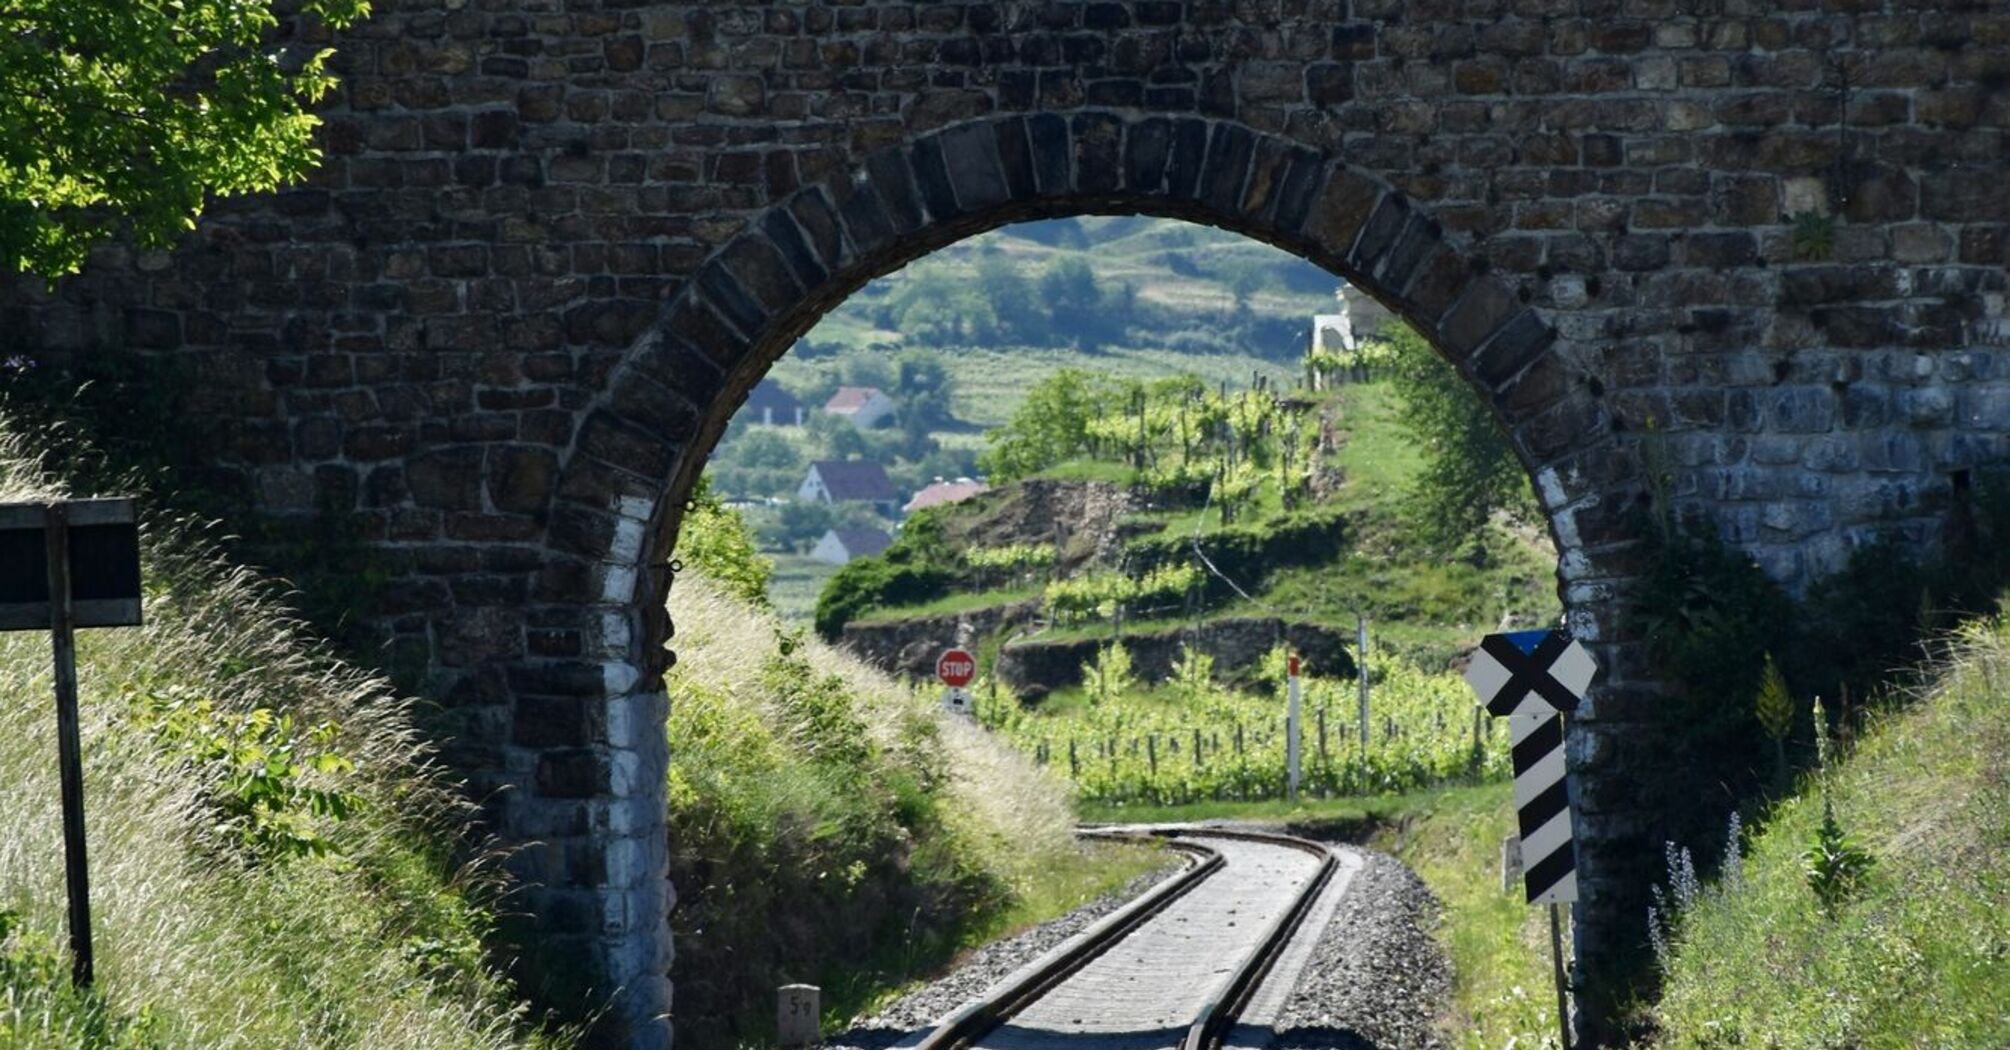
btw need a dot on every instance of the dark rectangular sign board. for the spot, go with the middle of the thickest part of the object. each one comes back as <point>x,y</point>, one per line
<point>104,565</point>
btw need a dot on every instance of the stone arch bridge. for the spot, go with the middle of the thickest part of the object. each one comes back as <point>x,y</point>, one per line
<point>555,242</point>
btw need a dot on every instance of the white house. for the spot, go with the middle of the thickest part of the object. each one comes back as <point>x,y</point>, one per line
<point>1359,318</point>
<point>834,481</point>
<point>865,406</point>
<point>839,546</point>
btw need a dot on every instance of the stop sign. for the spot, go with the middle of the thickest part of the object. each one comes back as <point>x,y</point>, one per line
<point>956,667</point>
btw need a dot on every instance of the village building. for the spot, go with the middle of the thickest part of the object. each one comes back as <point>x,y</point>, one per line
<point>939,492</point>
<point>1360,318</point>
<point>865,406</point>
<point>840,546</point>
<point>832,482</point>
<point>774,406</point>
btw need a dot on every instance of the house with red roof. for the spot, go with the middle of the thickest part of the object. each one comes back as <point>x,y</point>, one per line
<point>865,406</point>
<point>939,492</point>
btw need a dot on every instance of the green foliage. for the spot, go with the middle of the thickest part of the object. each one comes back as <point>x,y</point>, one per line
<point>1073,296</point>
<point>1104,595</point>
<point>40,1008</point>
<point>1469,471</point>
<point>1010,296</point>
<point>1834,865</point>
<point>1248,552</point>
<point>1713,622</point>
<point>1012,561</point>
<point>827,826</point>
<point>1193,674</point>
<point>906,573</point>
<point>1051,425</point>
<point>1775,708</point>
<point>1420,733</point>
<point>276,790</point>
<point>1710,616</point>
<point>136,113</point>
<point>1109,677</point>
<point>717,542</point>
<point>1814,236</point>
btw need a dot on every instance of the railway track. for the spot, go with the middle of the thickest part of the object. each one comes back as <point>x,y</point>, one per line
<point>1172,970</point>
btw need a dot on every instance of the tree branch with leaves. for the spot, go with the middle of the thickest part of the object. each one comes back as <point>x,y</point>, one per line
<point>129,115</point>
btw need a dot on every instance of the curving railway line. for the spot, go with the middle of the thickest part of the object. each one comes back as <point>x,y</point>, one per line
<point>1198,962</point>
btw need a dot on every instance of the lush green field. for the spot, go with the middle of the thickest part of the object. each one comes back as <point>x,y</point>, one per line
<point>1193,740</point>
<point>991,381</point>
<point>1913,953</point>
<point>797,580</point>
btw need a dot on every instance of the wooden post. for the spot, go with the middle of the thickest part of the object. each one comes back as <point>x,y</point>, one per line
<point>1074,764</point>
<point>70,752</point>
<point>1152,753</point>
<point>1556,958</point>
<point>1479,747</point>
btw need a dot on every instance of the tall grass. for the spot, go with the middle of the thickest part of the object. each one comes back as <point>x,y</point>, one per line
<point>1919,954</point>
<point>201,944</point>
<point>831,825</point>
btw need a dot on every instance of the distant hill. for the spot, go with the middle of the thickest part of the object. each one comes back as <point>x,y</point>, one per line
<point>1135,296</point>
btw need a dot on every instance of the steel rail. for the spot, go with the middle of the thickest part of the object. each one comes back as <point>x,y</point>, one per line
<point>1030,982</point>
<point>1033,980</point>
<point>1218,1014</point>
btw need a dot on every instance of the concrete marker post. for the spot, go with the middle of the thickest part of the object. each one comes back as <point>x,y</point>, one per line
<point>798,1015</point>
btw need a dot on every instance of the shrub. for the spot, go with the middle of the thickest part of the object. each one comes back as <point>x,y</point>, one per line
<point>717,542</point>
<point>826,824</point>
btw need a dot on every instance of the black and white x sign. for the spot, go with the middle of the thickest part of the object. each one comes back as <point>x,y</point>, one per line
<point>1549,666</point>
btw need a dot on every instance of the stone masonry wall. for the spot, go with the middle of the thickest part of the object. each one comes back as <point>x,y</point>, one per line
<point>555,242</point>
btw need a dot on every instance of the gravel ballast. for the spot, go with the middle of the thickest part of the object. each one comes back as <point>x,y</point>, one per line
<point>1376,979</point>
<point>984,967</point>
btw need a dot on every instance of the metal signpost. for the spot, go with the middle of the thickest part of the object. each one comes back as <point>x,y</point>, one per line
<point>955,668</point>
<point>1291,732</point>
<point>1534,678</point>
<point>63,566</point>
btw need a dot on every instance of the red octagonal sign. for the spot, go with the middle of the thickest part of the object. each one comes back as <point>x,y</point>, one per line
<point>956,667</point>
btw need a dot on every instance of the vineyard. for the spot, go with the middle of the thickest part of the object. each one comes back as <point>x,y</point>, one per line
<point>1191,739</point>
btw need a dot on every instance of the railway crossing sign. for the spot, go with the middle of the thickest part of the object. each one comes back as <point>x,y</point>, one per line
<point>955,668</point>
<point>1550,666</point>
<point>1533,678</point>
<point>65,565</point>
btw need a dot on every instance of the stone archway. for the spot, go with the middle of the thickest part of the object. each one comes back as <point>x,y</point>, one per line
<point>643,441</point>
